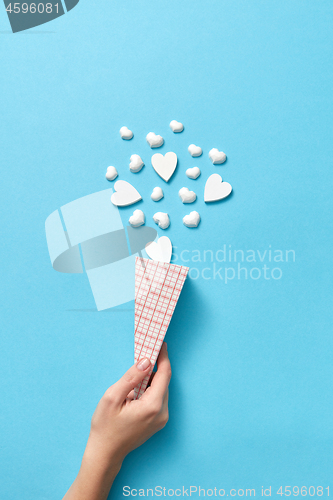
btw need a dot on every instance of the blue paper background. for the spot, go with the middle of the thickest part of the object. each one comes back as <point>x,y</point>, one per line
<point>250,398</point>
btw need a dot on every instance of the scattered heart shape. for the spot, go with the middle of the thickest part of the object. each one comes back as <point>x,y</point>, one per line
<point>157,194</point>
<point>186,195</point>
<point>162,219</point>
<point>217,156</point>
<point>136,163</point>
<point>126,133</point>
<point>125,194</point>
<point>192,219</point>
<point>154,141</point>
<point>137,219</point>
<point>165,165</point>
<point>111,173</point>
<point>194,150</point>
<point>215,189</point>
<point>160,250</point>
<point>193,173</point>
<point>176,127</point>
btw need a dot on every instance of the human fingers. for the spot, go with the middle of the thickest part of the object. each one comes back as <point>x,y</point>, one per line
<point>129,380</point>
<point>161,379</point>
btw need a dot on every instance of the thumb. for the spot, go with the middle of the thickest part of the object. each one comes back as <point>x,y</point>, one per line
<point>131,379</point>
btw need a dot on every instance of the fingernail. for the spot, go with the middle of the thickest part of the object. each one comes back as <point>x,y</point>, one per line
<point>143,364</point>
<point>166,345</point>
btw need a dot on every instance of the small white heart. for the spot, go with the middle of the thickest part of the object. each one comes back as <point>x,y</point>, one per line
<point>126,133</point>
<point>162,219</point>
<point>215,189</point>
<point>125,194</point>
<point>193,173</point>
<point>157,194</point>
<point>186,195</point>
<point>217,156</point>
<point>176,126</point>
<point>137,219</point>
<point>136,163</point>
<point>154,141</point>
<point>194,150</point>
<point>165,165</point>
<point>160,250</point>
<point>111,173</point>
<point>192,219</point>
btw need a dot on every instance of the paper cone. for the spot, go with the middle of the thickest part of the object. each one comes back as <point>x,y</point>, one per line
<point>157,289</point>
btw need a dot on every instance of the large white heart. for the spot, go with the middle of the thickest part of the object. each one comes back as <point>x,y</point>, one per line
<point>164,165</point>
<point>125,194</point>
<point>215,189</point>
<point>160,250</point>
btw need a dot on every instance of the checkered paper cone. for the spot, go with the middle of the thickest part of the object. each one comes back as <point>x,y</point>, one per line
<point>157,289</point>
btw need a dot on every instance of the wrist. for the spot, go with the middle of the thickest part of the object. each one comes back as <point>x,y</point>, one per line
<point>95,477</point>
<point>99,458</point>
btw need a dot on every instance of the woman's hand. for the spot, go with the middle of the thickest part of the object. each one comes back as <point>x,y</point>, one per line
<point>121,424</point>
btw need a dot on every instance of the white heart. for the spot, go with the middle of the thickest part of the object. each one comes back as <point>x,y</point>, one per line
<point>176,126</point>
<point>186,195</point>
<point>192,219</point>
<point>154,141</point>
<point>217,156</point>
<point>136,163</point>
<point>215,189</point>
<point>125,194</point>
<point>194,150</point>
<point>162,219</point>
<point>164,165</point>
<point>111,173</point>
<point>157,194</point>
<point>193,173</point>
<point>160,250</point>
<point>126,133</point>
<point>137,219</point>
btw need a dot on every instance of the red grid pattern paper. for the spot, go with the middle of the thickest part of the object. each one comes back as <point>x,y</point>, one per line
<point>157,289</point>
